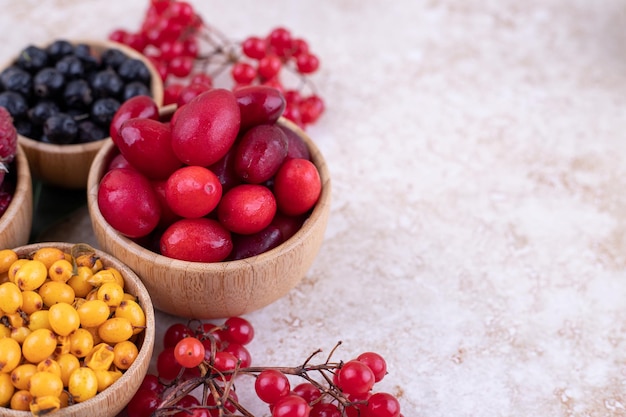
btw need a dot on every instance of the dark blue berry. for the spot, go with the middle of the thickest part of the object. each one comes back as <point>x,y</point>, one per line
<point>32,59</point>
<point>103,110</point>
<point>134,70</point>
<point>15,103</point>
<point>40,112</point>
<point>60,128</point>
<point>107,83</point>
<point>135,88</point>
<point>70,66</point>
<point>88,131</point>
<point>58,49</point>
<point>83,52</point>
<point>48,83</point>
<point>16,79</point>
<point>77,94</point>
<point>112,58</point>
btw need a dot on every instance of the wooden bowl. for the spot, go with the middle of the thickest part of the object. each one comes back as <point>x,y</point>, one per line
<point>67,166</point>
<point>112,400</point>
<point>17,220</point>
<point>221,289</point>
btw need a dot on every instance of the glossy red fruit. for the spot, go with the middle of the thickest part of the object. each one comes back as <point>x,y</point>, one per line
<point>247,208</point>
<point>297,186</point>
<point>196,240</point>
<point>376,363</point>
<point>118,161</point>
<point>225,362</point>
<point>260,153</point>
<point>355,378</point>
<point>147,146</point>
<point>291,406</point>
<point>167,214</point>
<point>191,91</point>
<point>382,404</point>
<point>288,225</point>
<point>142,107</point>
<point>271,385</point>
<point>193,191</point>
<point>241,353</point>
<point>246,246</point>
<point>296,147</point>
<point>204,129</point>
<point>143,403</point>
<point>239,330</point>
<point>259,105</point>
<point>128,202</point>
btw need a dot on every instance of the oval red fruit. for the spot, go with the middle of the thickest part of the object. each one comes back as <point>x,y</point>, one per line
<point>193,191</point>
<point>247,208</point>
<point>260,153</point>
<point>259,104</point>
<point>196,240</point>
<point>142,107</point>
<point>128,202</point>
<point>205,128</point>
<point>297,186</point>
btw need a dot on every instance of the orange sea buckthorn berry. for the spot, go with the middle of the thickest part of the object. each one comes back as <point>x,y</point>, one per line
<point>45,405</point>
<point>11,298</point>
<point>93,313</point>
<point>5,332</point>
<point>81,343</point>
<point>111,293</point>
<point>20,376</point>
<point>48,256</point>
<point>61,270</point>
<point>54,292</point>
<point>39,345</point>
<point>15,319</point>
<point>45,383</point>
<point>10,354</point>
<point>100,357</point>
<point>15,266</point>
<point>21,400</point>
<point>80,281</point>
<point>106,378</point>
<point>83,384</point>
<point>6,389</point>
<point>19,334</point>
<point>132,311</point>
<point>125,354</point>
<point>7,257</point>
<point>31,275</point>
<point>39,320</point>
<point>31,302</point>
<point>63,319</point>
<point>68,363</point>
<point>49,365</point>
<point>115,330</point>
<point>101,277</point>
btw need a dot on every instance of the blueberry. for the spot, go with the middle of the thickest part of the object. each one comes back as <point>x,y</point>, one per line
<point>70,66</point>
<point>103,110</point>
<point>135,88</point>
<point>41,111</point>
<point>16,79</point>
<point>58,49</point>
<point>48,83</point>
<point>77,94</point>
<point>83,52</point>
<point>134,70</point>
<point>32,59</point>
<point>107,83</point>
<point>60,128</point>
<point>88,131</point>
<point>15,103</point>
<point>25,128</point>
<point>112,58</point>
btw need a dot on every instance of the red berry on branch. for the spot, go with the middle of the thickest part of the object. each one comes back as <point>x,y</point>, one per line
<point>254,47</point>
<point>243,73</point>
<point>269,66</point>
<point>307,63</point>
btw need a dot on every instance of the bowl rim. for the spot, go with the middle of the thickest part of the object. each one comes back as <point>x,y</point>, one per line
<point>145,353</point>
<point>23,188</point>
<point>156,88</point>
<point>214,267</point>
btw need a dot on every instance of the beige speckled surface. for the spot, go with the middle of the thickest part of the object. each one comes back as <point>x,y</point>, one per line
<point>477,235</point>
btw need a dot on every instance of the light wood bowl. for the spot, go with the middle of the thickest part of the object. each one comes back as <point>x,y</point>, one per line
<point>221,289</point>
<point>111,401</point>
<point>17,220</point>
<point>67,166</point>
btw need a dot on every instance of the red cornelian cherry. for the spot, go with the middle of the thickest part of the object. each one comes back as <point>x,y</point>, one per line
<point>260,153</point>
<point>189,352</point>
<point>247,208</point>
<point>193,191</point>
<point>297,186</point>
<point>259,105</point>
<point>142,107</point>
<point>196,240</point>
<point>271,385</point>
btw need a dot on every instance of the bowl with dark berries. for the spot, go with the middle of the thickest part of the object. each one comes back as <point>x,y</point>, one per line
<point>62,97</point>
<point>219,205</point>
<point>77,330</point>
<point>16,193</point>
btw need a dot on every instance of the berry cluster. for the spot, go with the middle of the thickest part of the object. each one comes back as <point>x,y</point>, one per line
<point>221,181</point>
<point>213,357</point>
<point>8,149</point>
<point>190,55</point>
<point>64,93</point>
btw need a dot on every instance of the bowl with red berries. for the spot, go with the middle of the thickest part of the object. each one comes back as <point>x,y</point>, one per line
<point>16,194</point>
<point>62,97</point>
<point>219,205</point>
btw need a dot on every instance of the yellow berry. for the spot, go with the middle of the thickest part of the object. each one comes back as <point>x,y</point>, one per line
<point>20,376</point>
<point>61,271</point>
<point>10,354</point>
<point>6,389</point>
<point>111,293</point>
<point>11,298</point>
<point>15,266</point>
<point>31,275</point>
<point>19,334</point>
<point>7,257</point>
<point>93,313</point>
<point>39,345</point>
<point>63,345</point>
<point>115,330</point>
<point>21,400</point>
<point>48,256</point>
<point>106,378</point>
<point>54,292</point>
<point>125,354</point>
<point>83,384</point>
<point>4,332</point>
<point>100,358</point>
<point>45,383</point>
<point>68,363</point>
<point>63,319</point>
<point>39,320</point>
<point>49,365</point>
<point>81,343</point>
<point>42,406</point>
<point>32,302</point>
<point>134,313</point>
<point>79,282</point>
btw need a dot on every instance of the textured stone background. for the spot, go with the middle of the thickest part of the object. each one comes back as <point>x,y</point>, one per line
<point>476,237</point>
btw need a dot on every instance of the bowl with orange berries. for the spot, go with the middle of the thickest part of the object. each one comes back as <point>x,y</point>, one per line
<point>62,96</point>
<point>232,216</point>
<point>77,331</point>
